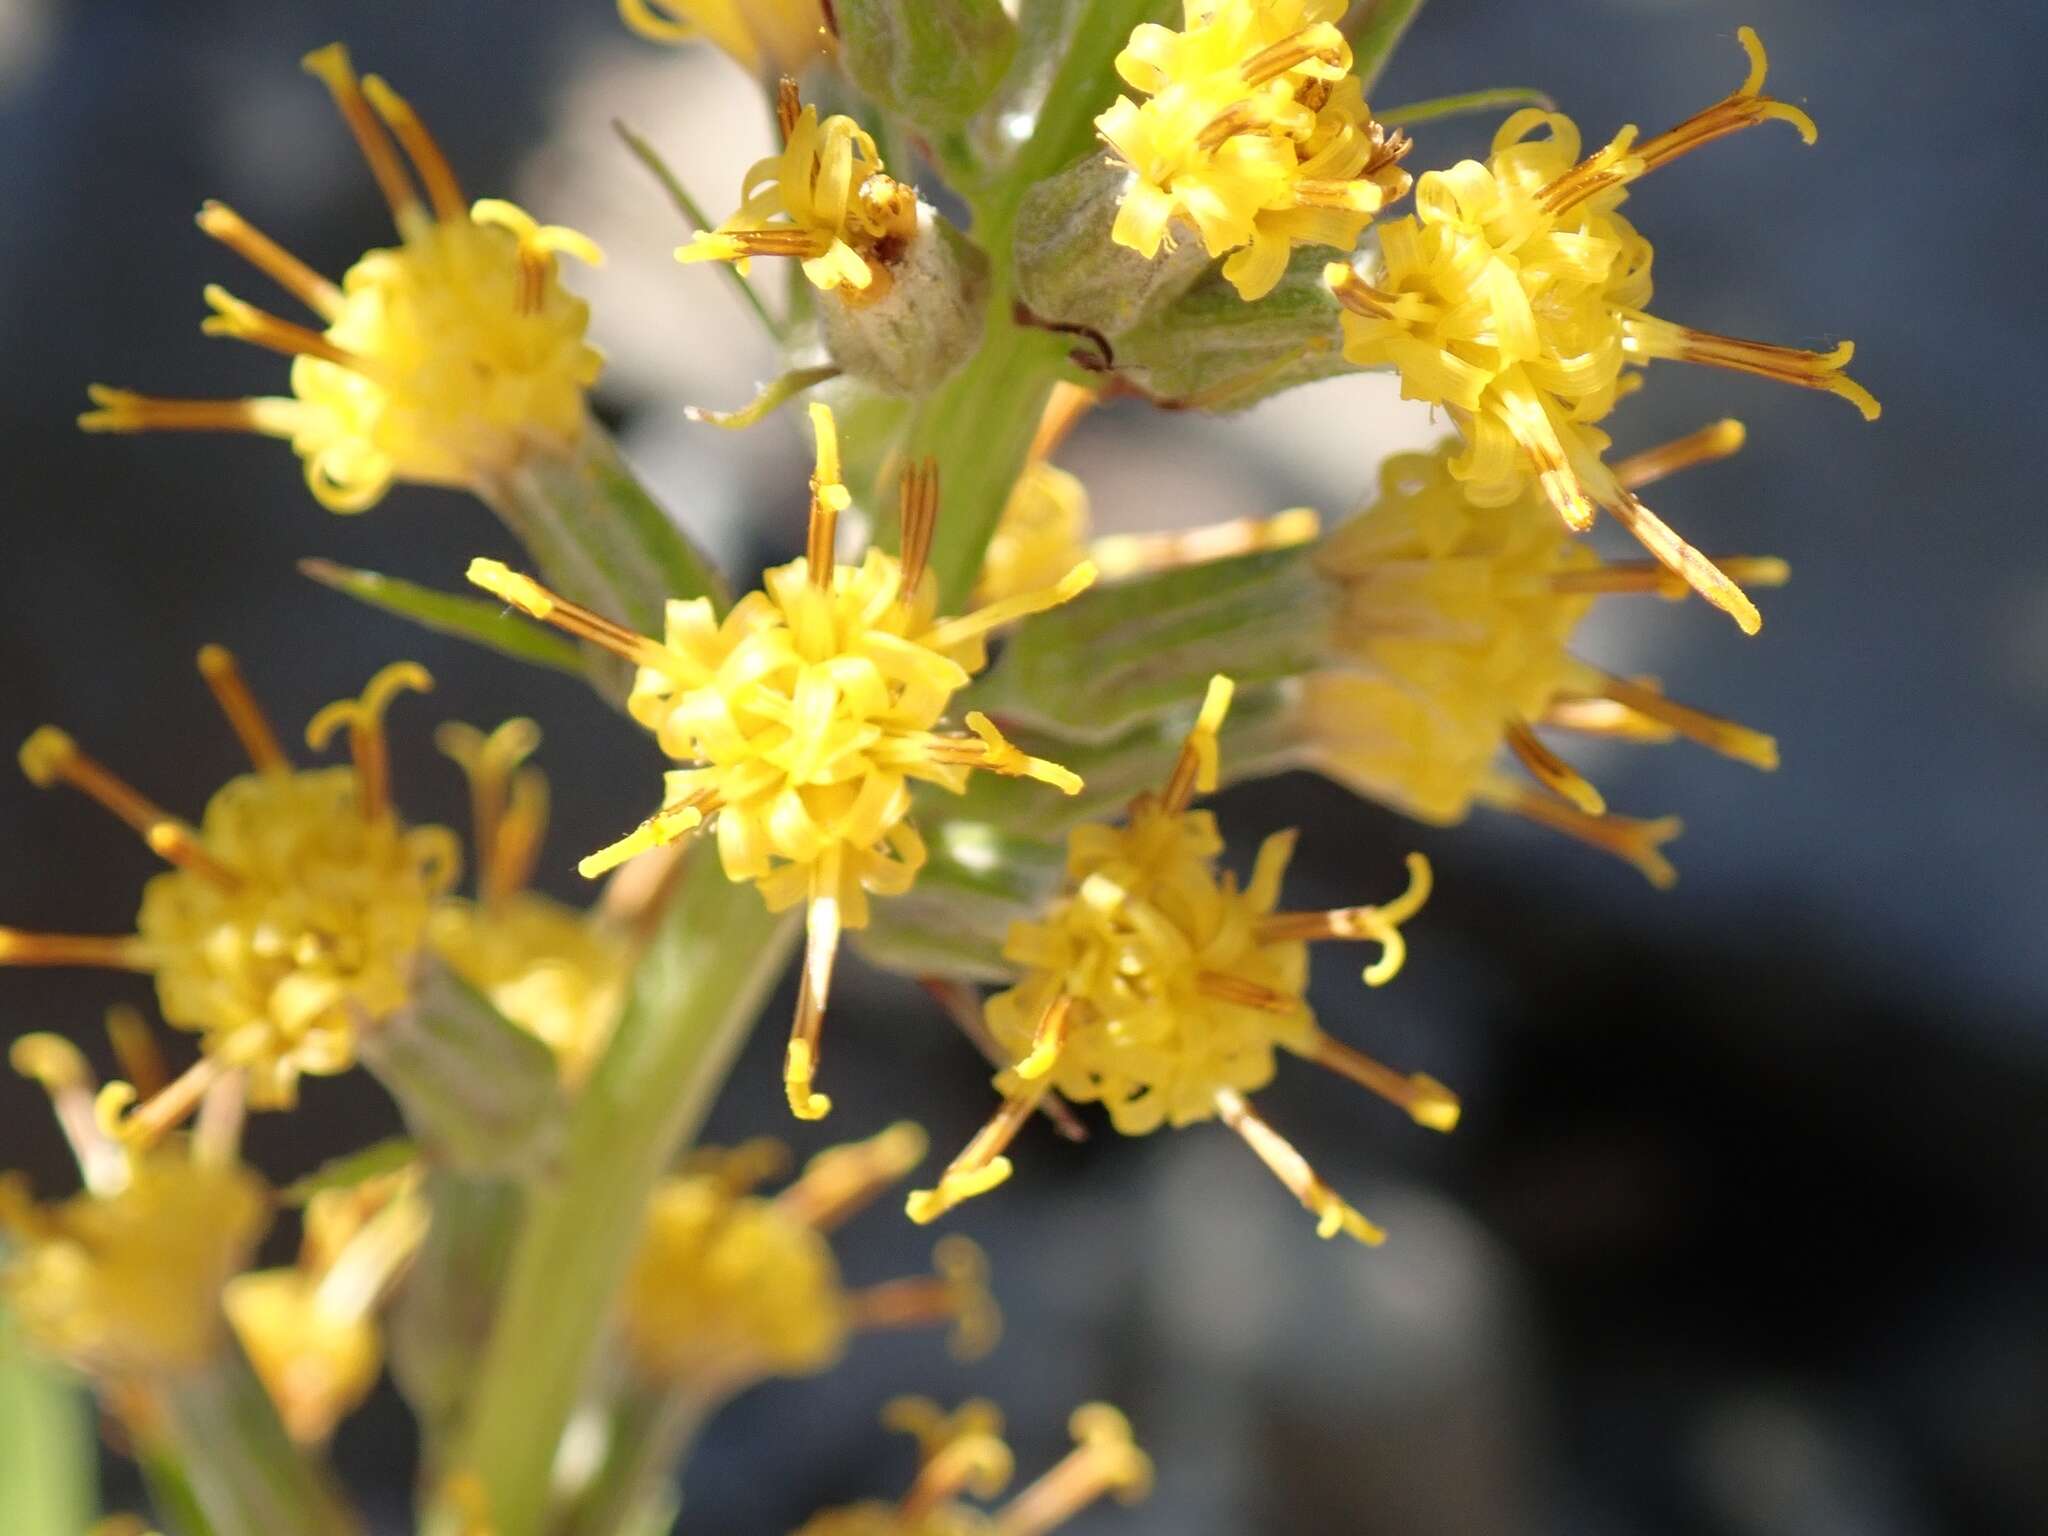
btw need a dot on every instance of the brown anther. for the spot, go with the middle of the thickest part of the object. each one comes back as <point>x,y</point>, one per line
<point>1553,772</point>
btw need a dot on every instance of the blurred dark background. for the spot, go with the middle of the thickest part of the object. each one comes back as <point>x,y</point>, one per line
<point>1745,1232</point>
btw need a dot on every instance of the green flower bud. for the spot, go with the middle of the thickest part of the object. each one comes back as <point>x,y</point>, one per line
<point>932,62</point>
<point>925,322</point>
<point>1070,273</point>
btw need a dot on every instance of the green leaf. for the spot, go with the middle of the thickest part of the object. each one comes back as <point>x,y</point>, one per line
<point>352,1168</point>
<point>931,62</point>
<point>48,1467</point>
<point>976,882</point>
<point>1505,98</point>
<point>482,621</point>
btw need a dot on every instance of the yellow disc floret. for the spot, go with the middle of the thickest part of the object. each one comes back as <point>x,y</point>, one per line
<point>1254,132</point>
<point>1157,985</point>
<point>1515,297</point>
<point>825,201</point>
<point>1450,641</point>
<point>293,910</point>
<point>806,713</point>
<point>447,359</point>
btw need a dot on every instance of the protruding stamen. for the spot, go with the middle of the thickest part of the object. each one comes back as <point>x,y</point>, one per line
<point>1195,770</point>
<point>271,259</point>
<point>364,718</point>
<point>148,1123</point>
<point>443,190</point>
<point>842,1181</point>
<point>175,843</point>
<point>49,757</point>
<point>918,508</point>
<point>135,1048</point>
<point>1717,440</point>
<point>1105,1460</point>
<point>1710,731</point>
<point>1355,293</point>
<point>508,809</point>
<point>1636,842</point>
<point>990,749</point>
<point>1694,568</point>
<point>1380,924</point>
<point>981,1165</point>
<point>962,1002</point>
<point>1553,772</point>
<point>1646,336</point>
<point>821,950</point>
<point>1131,554</point>
<point>1642,576</point>
<point>789,106</point>
<point>123,410</point>
<point>952,633</point>
<point>1293,1170</point>
<point>1321,44</point>
<point>331,64</point>
<point>658,831</point>
<point>741,244</point>
<point>60,1068</point>
<point>829,497</point>
<point>1604,717</point>
<point>962,1452</point>
<point>1048,1039</point>
<point>957,1292</point>
<point>537,602</point>
<point>1427,1102</point>
<point>123,952</point>
<point>245,716</point>
<point>243,321</point>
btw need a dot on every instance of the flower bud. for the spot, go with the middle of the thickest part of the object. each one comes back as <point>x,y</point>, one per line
<point>906,335</point>
<point>1211,350</point>
<point>1068,270</point>
<point>932,62</point>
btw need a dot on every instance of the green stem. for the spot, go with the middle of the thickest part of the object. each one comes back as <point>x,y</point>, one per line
<point>706,973</point>
<point>48,1471</point>
<point>651,1432</point>
<point>215,1430</point>
<point>1504,98</point>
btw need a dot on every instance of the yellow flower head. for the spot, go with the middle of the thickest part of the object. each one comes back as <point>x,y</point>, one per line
<point>447,359</point>
<point>781,36</point>
<point>1514,297</point>
<point>558,974</point>
<point>729,1288</point>
<point>292,911</point>
<point>311,1331</point>
<point>806,713</point>
<point>825,200</point>
<point>1254,131</point>
<point>1160,987</point>
<point>124,1279</point>
<point>1450,640</point>
<point>963,1453</point>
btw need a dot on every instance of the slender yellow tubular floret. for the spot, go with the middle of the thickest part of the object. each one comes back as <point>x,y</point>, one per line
<point>825,201</point>
<point>804,717</point>
<point>729,1288</point>
<point>448,359</point>
<point>963,1453</point>
<point>293,909</point>
<point>123,1281</point>
<point>1158,986</point>
<point>1450,640</point>
<point>1254,132</point>
<point>311,1330</point>
<point>558,974</point>
<point>1515,297</point>
<point>781,36</point>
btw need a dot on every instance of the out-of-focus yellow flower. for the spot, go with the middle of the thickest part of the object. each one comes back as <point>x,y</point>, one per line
<point>729,1288</point>
<point>764,36</point>
<point>124,1280</point>
<point>1042,535</point>
<point>447,359</point>
<point>1254,131</point>
<point>1514,297</point>
<point>1450,641</point>
<point>292,911</point>
<point>807,713</point>
<point>825,200</point>
<point>1159,987</point>
<point>963,1453</point>
<point>311,1331</point>
<point>556,973</point>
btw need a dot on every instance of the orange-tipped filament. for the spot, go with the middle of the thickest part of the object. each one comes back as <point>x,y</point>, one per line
<point>1287,1165</point>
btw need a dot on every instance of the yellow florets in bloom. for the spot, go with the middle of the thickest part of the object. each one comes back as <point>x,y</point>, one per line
<point>448,359</point>
<point>1253,131</point>
<point>1042,536</point>
<point>729,1288</point>
<point>1157,985</point>
<point>963,1453</point>
<point>294,909</point>
<point>1514,297</point>
<point>123,1280</point>
<point>760,35</point>
<point>1450,641</point>
<point>824,200</point>
<point>807,712</point>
